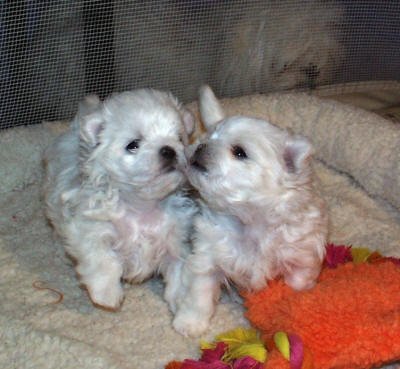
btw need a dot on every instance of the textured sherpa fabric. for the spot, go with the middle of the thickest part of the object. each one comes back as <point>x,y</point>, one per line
<point>34,333</point>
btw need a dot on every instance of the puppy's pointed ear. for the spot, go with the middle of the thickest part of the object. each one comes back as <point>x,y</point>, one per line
<point>296,154</point>
<point>188,121</point>
<point>88,105</point>
<point>211,110</point>
<point>90,128</point>
<point>89,119</point>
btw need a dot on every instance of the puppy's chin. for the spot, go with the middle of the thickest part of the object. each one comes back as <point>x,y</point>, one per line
<point>162,185</point>
<point>220,195</point>
<point>196,176</point>
<point>201,181</point>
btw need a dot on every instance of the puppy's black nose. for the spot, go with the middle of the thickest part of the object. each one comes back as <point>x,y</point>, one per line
<point>167,153</point>
<point>198,158</point>
<point>199,150</point>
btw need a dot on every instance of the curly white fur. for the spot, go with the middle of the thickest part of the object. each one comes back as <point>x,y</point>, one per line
<point>113,192</point>
<point>260,216</point>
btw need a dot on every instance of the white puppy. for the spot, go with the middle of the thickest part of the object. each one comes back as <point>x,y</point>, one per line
<point>260,216</point>
<point>111,192</point>
<point>273,45</point>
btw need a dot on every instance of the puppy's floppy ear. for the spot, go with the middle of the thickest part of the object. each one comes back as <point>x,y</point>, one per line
<point>211,110</point>
<point>296,153</point>
<point>90,127</point>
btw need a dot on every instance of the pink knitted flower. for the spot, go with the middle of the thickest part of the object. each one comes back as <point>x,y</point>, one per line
<point>247,362</point>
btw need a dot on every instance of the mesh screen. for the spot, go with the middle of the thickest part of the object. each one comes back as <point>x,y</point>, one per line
<point>53,52</point>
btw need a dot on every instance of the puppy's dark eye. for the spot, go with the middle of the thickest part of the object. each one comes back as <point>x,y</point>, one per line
<point>238,152</point>
<point>133,146</point>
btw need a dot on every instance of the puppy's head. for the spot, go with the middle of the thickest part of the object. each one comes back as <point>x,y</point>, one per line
<point>245,161</point>
<point>136,141</point>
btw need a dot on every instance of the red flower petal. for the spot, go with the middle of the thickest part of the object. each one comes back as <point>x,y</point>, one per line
<point>211,355</point>
<point>336,255</point>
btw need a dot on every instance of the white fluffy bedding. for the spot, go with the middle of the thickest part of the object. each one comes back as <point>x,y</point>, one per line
<point>358,168</point>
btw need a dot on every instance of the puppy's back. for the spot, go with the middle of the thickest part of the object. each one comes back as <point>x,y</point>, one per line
<point>61,160</point>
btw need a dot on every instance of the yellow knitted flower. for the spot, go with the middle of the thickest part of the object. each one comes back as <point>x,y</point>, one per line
<point>360,254</point>
<point>241,342</point>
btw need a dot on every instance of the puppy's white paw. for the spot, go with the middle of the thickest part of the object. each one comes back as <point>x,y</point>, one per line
<point>302,278</point>
<point>191,323</point>
<point>107,295</point>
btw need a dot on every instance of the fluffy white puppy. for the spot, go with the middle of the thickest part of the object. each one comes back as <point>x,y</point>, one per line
<point>271,45</point>
<point>260,216</point>
<point>112,192</point>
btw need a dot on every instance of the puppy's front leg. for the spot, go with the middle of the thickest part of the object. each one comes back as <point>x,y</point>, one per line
<point>194,314</point>
<point>101,276</point>
<point>97,264</point>
<point>304,266</point>
<point>174,290</point>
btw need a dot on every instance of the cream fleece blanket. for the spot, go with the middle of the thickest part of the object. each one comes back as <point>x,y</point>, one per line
<point>358,169</point>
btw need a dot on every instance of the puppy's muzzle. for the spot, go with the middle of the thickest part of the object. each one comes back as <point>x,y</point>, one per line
<point>198,159</point>
<point>168,156</point>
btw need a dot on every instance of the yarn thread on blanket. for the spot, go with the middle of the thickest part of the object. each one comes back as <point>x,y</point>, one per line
<point>41,285</point>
